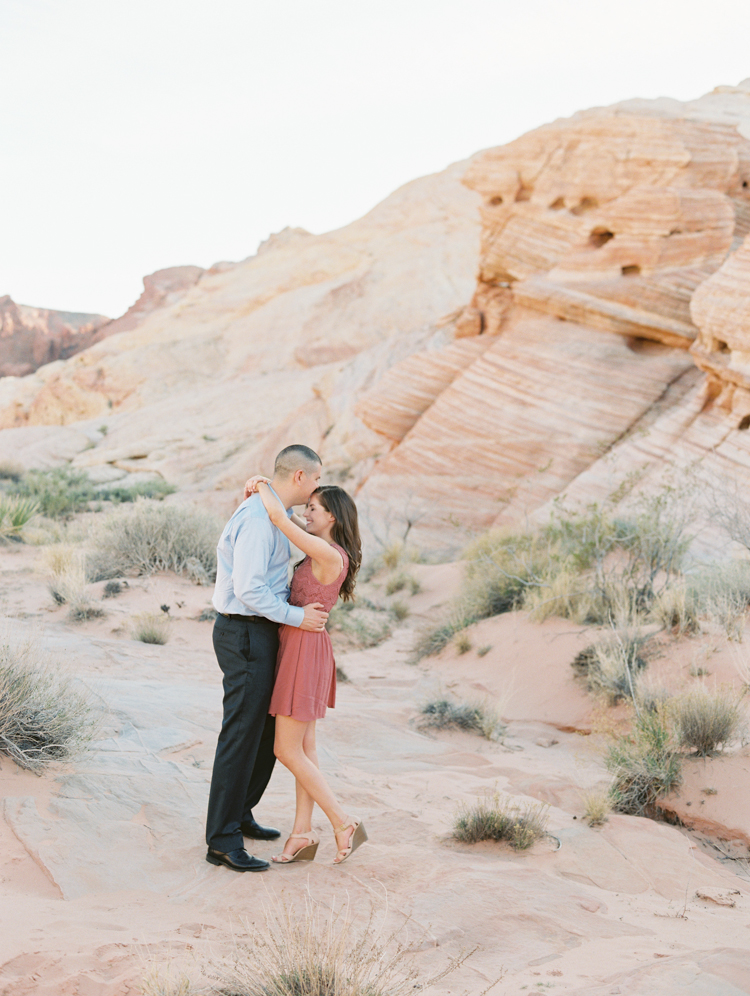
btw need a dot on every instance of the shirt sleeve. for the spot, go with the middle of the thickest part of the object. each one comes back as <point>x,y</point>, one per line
<point>253,548</point>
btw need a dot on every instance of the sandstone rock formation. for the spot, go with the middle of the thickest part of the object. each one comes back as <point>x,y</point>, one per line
<point>31,337</point>
<point>611,262</point>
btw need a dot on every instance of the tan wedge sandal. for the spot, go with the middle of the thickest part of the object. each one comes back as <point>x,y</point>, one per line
<point>359,836</point>
<point>305,853</point>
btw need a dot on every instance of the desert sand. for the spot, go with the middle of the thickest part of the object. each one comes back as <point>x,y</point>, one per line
<point>103,870</point>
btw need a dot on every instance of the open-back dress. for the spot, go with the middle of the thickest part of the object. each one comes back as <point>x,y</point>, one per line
<point>305,669</point>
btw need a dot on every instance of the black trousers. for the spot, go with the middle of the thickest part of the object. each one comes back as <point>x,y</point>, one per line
<point>246,651</point>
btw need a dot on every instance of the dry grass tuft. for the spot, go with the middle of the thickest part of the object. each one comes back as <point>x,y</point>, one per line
<point>597,805</point>
<point>707,719</point>
<point>151,627</point>
<point>68,585</point>
<point>479,717</point>
<point>150,536</point>
<point>610,666</point>
<point>44,715</point>
<point>462,643</point>
<point>496,818</point>
<point>317,949</point>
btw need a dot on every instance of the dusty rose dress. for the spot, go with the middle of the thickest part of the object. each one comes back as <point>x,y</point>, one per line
<point>305,669</point>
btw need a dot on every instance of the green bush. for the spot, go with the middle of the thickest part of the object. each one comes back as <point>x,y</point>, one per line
<point>494,818</point>
<point>148,537</point>
<point>157,489</point>
<point>645,764</point>
<point>44,715</point>
<point>15,513</point>
<point>59,492</point>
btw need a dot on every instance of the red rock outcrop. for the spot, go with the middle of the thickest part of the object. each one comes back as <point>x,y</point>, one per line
<point>31,337</point>
<point>162,288</point>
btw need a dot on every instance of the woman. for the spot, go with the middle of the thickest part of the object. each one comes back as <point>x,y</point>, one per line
<point>306,671</point>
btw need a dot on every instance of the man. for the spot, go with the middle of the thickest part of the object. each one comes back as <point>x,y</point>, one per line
<point>251,599</point>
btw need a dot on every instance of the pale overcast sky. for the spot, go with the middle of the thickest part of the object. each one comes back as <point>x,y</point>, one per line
<point>150,133</point>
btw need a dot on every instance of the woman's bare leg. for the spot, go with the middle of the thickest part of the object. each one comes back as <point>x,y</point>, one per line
<point>305,802</point>
<point>289,749</point>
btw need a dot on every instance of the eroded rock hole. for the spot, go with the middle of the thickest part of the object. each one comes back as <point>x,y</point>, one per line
<point>558,204</point>
<point>631,270</point>
<point>744,423</point>
<point>745,184</point>
<point>495,201</point>
<point>600,237</point>
<point>524,193</point>
<point>721,347</point>
<point>585,204</point>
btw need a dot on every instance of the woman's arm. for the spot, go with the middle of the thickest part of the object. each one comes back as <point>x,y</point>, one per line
<point>316,548</point>
<point>251,486</point>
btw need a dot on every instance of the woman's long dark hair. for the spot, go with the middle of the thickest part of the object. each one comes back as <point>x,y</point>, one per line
<point>345,531</point>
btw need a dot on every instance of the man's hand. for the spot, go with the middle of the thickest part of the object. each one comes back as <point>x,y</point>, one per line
<point>315,618</point>
<point>251,485</point>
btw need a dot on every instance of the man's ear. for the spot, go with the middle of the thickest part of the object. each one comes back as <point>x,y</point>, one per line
<point>298,475</point>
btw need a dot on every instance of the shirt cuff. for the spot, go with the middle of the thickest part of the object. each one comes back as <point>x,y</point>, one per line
<point>295,616</point>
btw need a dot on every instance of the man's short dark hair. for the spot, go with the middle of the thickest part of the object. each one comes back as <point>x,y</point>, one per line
<point>294,458</point>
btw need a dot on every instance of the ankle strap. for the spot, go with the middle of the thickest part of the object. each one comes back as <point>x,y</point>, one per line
<point>309,832</point>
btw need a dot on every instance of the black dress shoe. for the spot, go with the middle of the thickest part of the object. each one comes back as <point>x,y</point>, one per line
<point>238,860</point>
<point>256,832</point>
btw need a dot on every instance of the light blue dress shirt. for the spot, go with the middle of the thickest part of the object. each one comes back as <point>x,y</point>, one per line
<point>252,567</point>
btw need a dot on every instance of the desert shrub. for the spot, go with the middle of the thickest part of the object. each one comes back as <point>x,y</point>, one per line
<point>399,610</point>
<point>462,643</point>
<point>317,949</point>
<point>44,715</point>
<point>597,805</point>
<point>415,585</point>
<point>84,611</point>
<point>645,764</point>
<point>483,651</point>
<point>59,492</point>
<point>112,589</point>
<point>341,675</point>
<point>723,593</point>
<point>430,638</point>
<point>15,513</point>
<point>609,667</point>
<point>478,717</point>
<point>148,537</point>
<point>158,489</point>
<point>650,693</point>
<point>393,554</point>
<point>208,614</point>
<point>397,582</point>
<point>150,627</point>
<point>496,818</point>
<point>166,981</point>
<point>10,471</point>
<point>678,609</point>
<point>363,624</point>
<point>705,719</point>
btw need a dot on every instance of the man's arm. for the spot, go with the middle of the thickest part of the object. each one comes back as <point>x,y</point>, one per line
<point>253,549</point>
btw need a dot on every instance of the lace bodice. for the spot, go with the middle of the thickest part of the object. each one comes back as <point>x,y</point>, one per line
<point>306,588</point>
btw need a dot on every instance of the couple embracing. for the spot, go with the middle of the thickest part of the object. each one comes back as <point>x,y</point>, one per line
<point>276,657</point>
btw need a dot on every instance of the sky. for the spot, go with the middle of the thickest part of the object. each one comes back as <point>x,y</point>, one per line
<point>151,133</point>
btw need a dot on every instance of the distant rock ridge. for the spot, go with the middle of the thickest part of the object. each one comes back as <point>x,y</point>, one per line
<point>31,337</point>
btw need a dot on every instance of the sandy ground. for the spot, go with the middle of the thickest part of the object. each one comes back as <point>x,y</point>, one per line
<point>102,864</point>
